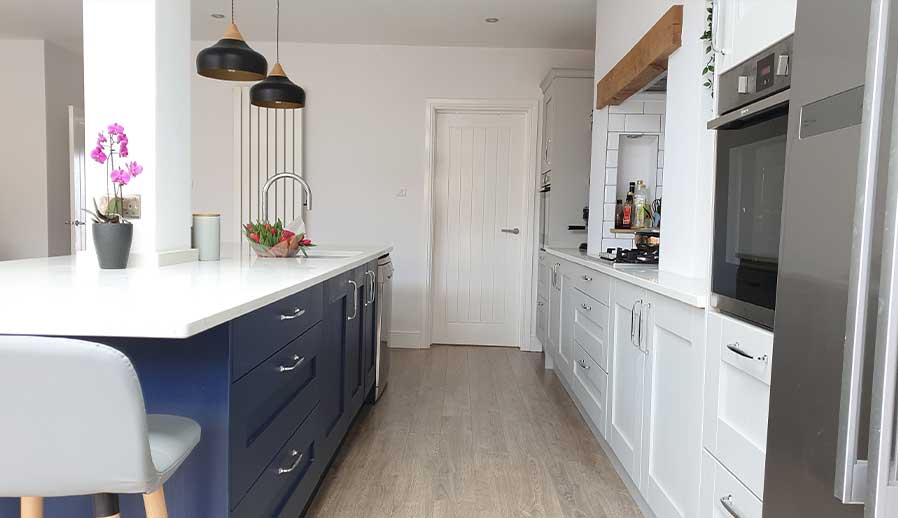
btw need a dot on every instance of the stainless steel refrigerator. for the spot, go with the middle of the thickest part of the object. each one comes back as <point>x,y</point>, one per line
<point>831,447</point>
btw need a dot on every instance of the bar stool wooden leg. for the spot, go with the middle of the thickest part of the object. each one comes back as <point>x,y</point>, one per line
<point>32,506</point>
<point>154,504</point>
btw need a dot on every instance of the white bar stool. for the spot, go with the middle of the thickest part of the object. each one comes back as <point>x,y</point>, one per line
<point>74,423</point>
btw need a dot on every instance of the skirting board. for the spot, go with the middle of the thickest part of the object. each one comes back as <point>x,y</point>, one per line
<point>406,340</point>
<point>618,467</point>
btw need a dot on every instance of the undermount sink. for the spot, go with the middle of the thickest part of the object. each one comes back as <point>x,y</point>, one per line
<point>330,254</point>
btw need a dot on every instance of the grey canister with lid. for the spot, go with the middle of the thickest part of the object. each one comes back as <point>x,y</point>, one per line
<point>207,236</point>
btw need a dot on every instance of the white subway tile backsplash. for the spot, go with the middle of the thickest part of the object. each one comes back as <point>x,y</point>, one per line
<point>617,122</point>
<point>628,107</point>
<point>611,158</point>
<point>643,123</point>
<point>606,228</point>
<point>610,193</point>
<point>655,107</point>
<point>608,214</point>
<point>610,176</point>
<point>613,140</point>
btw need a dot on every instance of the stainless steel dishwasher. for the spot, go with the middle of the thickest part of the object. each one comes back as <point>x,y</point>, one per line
<point>384,310</point>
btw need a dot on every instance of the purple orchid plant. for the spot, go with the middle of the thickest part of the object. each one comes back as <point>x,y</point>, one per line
<point>111,144</point>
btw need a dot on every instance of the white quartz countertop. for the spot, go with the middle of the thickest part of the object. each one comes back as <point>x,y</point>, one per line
<point>71,296</point>
<point>684,289</point>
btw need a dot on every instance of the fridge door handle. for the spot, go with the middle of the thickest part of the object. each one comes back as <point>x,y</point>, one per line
<point>882,473</point>
<point>850,481</point>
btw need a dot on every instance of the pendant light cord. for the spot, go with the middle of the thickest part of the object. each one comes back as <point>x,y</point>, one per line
<point>277,34</point>
<point>233,18</point>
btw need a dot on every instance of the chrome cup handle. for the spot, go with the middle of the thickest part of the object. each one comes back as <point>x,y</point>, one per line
<point>294,465</point>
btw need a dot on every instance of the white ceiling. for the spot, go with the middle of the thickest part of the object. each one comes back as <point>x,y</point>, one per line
<point>563,24</point>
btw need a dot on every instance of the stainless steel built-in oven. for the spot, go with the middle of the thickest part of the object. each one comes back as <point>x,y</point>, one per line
<point>750,168</point>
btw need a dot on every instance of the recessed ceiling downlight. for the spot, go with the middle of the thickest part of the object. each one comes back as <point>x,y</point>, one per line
<point>492,20</point>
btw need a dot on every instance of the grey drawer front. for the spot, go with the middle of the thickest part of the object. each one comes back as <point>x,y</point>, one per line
<point>257,335</point>
<point>289,480</point>
<point>268,404</point>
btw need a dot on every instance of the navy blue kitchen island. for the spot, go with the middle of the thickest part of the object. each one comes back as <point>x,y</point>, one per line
<point>275,391</point>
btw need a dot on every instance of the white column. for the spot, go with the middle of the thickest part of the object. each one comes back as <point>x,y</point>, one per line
<point>137,72</point>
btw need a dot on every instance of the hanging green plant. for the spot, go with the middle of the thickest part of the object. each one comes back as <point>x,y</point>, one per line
<point>710,53</point>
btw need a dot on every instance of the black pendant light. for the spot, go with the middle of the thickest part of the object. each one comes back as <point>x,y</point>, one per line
<point>231,59</point>
<point>276,90</point>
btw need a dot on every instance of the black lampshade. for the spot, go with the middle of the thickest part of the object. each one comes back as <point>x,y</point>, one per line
<point>231,59</point>
<point>277,91</point>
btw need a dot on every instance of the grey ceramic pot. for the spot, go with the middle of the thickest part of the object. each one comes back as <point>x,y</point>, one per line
<point>113,244</point>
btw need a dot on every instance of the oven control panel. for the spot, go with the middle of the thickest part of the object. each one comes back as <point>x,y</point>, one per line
<point>760,76</point>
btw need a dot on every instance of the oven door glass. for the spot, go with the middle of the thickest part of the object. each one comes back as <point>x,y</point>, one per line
<point>751,164</point>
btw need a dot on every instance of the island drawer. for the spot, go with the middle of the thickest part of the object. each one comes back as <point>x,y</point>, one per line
<point>288,481</point>
<point>269,403</point>
<point>260,333</point>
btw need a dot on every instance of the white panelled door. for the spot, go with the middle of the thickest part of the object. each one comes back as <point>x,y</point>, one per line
<point>479,184</point>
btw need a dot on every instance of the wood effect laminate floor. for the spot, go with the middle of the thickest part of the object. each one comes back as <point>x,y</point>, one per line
<point>470,432</point>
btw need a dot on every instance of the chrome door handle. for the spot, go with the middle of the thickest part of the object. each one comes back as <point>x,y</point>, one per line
<point>587,278</point>
<point>373,286</point>
<point>642,306</point>
<point>297,361</point>
<point>586,307</point>
<point>514,231</point>
<point>355,300</point>
<point>76,223</point>
<point>297,312</point>
<point>633,324</point>
<point>295,464</point>
<point>582,364</point>
<point>727,503</point>
<point>741,352</point>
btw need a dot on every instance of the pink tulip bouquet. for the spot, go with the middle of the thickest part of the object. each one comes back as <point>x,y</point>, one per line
<point>111,144</point>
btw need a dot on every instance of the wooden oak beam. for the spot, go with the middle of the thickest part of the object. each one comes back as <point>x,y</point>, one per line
<point>645,61</point>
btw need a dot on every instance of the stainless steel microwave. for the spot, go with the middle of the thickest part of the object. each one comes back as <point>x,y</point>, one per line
<point>748,197</point>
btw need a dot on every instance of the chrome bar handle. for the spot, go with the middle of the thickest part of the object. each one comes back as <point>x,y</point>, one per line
<point>849,488</point>
<point>369,297</point>
<point>642,308</point>
<point>355,300</point>
<point>293,453</point>
<point>297,361</point>
<point>373,286</point>
<point>633,324</point>
<point>727,503</point>
<point>587,278</point>
<point>882,473</point>
<point>296,313</point>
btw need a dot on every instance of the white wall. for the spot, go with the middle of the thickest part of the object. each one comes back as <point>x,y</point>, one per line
<point>64,73</point>
<point>364,140</point>
<point>34,147</point>
<point>23,156</point>
<point>688,146</point>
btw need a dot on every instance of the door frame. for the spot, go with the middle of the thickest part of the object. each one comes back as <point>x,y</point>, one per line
<point>530,109</point>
